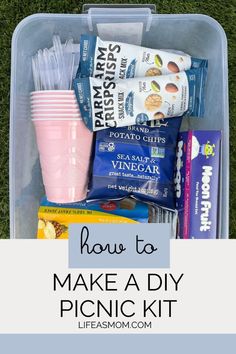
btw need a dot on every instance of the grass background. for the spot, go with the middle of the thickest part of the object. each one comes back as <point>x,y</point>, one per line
<point>12,12</point>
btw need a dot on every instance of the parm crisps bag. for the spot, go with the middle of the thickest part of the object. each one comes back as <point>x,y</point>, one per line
<point>119,103</point>
<point>109,60</point>
<point>136,161</point>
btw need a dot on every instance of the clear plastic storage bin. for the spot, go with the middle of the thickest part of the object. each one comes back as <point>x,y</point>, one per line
<point>199,35</point>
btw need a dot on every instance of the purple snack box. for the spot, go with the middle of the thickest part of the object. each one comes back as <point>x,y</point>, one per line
<point>196,181</point>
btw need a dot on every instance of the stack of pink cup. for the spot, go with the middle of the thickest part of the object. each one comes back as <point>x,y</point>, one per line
<point>64,144</point>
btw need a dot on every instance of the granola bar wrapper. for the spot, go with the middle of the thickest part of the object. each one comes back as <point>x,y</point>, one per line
<point>54,219</point>
<point>109,60</point>
<point>197,182</point>
<point>120,103</point>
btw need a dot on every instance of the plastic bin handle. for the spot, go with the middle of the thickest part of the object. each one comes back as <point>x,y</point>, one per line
<point>152,7</point>
<point>123,14</point>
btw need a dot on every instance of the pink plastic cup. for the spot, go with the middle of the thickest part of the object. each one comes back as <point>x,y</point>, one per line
<point>54,106</point>
<point>53,109</point>
<point>52,92</point>
<point>57,104</point>
<point>54,115</point>
<point>57,110</point>
<point>53,97</point>
<point>64,145</point>
<point>64,150</point>
<point>51,100</point>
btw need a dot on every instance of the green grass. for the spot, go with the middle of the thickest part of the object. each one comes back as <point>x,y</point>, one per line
<point>12,12</point>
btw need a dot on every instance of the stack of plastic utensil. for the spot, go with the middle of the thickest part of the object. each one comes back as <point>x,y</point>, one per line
<point>53,68</point>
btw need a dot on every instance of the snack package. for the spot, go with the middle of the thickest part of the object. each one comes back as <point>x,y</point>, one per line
<point>136,161</point>
<point>54,219</point>
<point>110,104</point>
<point>197,180</point>
<point>113,60</point>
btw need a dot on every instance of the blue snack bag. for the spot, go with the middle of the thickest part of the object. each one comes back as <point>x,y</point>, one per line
<point>103,59</point>
<point>120,103</point>
<point>136,161</point>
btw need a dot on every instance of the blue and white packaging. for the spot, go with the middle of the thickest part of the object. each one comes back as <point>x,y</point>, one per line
<point>103,59</point>
<point>120,103</point>
<point>136,161</point>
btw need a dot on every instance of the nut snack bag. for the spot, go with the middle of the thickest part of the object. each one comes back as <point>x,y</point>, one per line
<point>54,219</point>
<point>136,161</point>
<point>113,60</point>
<point>196,181</point>
<point>110,104</point>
